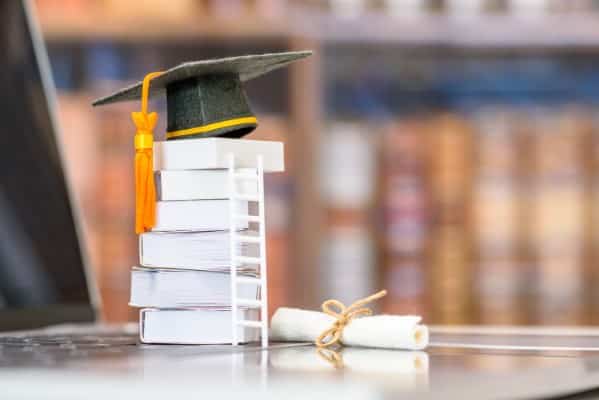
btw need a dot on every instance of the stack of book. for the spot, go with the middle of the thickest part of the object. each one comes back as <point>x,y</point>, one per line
<point>183,284</point>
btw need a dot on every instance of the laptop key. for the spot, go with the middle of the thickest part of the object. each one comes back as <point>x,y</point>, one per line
<point>67,342</point>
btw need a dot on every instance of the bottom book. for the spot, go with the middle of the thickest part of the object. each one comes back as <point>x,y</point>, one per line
<point>194,326</point>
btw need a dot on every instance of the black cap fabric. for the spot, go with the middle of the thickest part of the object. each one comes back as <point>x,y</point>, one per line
<point>206,98</point>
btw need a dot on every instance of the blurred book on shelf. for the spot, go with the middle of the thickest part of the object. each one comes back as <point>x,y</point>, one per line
<point>498,204</point>
<point>348,166</point>
<point>592,221</point>
<point>450,248</point>
<point>404,197</point>
<point>348,264</point>
<point>558,216</point>
<point>348,184</point>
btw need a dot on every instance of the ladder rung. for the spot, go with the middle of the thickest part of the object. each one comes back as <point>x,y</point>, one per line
<point>245,197</point>
<point>245,176</point>
<point>249,218</point>
<point>247,239</point>
<point>248,260</point>
<point>249,303</point>
<point>248,280</point>
<point>250,324</point>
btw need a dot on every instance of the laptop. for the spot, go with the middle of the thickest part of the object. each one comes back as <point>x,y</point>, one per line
<point>45,278</point>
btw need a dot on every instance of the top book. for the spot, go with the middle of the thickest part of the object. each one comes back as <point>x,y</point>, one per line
<point>212,153</point>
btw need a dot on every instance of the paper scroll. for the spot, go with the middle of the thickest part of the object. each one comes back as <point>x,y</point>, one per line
<point>381,331</point>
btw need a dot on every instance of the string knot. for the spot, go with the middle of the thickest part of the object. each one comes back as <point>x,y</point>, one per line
<point>343,316</point>
<point>145,124</point>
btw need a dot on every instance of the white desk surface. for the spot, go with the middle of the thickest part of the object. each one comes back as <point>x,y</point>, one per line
<point>288,371</point>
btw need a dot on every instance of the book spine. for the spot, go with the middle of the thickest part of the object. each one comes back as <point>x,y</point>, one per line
<point>348,184</point>
<point>557,214</point>
<point>211,153</point>
<point>405,200</point>
<point>199,184</point>
<point>498,203</point>
<point>186,331</point>
<point>192,216</point>
<point>154,288</point>
<point>592,220</point>
<point>277,195</point>
<point>450,169</point>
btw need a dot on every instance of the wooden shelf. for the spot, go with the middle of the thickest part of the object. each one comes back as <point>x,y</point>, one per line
<point>499,31</point>
<point>491,31</point>
<point>152,29</point>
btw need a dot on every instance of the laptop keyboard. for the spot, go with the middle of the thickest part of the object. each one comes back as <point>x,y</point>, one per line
<point>68,341</point>
<point>49,350</point>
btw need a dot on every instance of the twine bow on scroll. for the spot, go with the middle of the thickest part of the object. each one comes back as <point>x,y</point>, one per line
<point>344,315</point>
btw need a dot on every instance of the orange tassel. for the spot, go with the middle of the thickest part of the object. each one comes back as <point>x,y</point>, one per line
<point>145,190</point>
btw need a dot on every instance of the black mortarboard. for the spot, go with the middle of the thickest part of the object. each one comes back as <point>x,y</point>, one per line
<point>206,98</point>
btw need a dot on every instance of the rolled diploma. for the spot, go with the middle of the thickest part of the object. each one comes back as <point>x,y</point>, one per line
<point>382,331</point>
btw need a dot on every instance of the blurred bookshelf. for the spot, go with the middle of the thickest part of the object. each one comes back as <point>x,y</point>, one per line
<point>444,150</point>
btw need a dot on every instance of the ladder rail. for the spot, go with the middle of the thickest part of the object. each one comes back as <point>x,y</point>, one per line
<point>260,261</point>
<point>262,234</point>
<point>232,246</point>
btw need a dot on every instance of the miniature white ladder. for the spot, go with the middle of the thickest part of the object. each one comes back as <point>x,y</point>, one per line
<point>237,237</point>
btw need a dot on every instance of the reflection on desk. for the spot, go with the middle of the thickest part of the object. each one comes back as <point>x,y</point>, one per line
<point>389,368</point>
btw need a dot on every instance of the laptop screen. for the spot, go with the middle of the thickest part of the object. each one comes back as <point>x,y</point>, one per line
<point>42,275</point>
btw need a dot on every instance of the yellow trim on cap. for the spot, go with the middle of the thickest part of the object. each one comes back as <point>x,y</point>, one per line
<point>212,127</point>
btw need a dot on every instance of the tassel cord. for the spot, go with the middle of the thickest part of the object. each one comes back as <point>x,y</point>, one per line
<point>145,190</point>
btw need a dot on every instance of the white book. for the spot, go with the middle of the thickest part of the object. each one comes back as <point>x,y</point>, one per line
<point>212,153</point>
<point>197,215</point>
<point>168,288</point>
<point>194,326</point>
<point>206,251</point>
<point>201,184</point>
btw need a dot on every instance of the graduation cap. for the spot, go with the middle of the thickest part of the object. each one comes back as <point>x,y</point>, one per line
<point>204,99</point>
